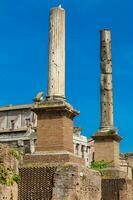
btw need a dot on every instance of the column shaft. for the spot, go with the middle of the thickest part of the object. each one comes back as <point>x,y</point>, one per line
<point>56,54</point>
<point>106,95</point>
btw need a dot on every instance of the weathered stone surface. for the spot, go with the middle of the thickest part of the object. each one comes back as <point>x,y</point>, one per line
<point>129,158</point>
<point>106,80</point>
<point>120,189</point>
<point>56,158</point>
<point>59,182</point>
<point>9,193</point>
<point>106,139</point>
<point>73,182</point>
<point>56,61</point>
<point>9,161</point>
<point>113,173</point>
<point>116,185</point>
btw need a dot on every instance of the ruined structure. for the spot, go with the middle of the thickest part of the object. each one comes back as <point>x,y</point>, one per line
<point>55,115</point>
<point>126,164</point>
<point>18,129</point>
<point>55,153</point>
<point>8,170</point>
<point>106,140</point>
<point>64,182</point>
<point>54,160</point>
<point>115,179</point>
<point>106,94</point>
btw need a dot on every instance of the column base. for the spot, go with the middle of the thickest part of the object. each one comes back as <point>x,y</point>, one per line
<point>43,158</point>
<point>106,145</point>
<point>55,98</point>
<point>54,126</point>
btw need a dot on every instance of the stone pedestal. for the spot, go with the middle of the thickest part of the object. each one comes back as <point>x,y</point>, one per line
<point>51,159</point>
<point>54,127</point>
<point>106,145</point>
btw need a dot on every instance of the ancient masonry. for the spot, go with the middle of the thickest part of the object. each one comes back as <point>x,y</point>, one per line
<point>18,126</point>
<point>106,98</point>
<point>55,114</point>
<point>106,140</point>
<point>8,170</point>
<point>60,174</point>
<point>52,171</point>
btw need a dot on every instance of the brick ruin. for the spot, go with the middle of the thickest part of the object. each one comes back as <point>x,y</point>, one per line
<point>24,133</point>
<point>65,181</point>
<point>52,171</point>
<point>61,182</point>
<point>119,189</point>
<point>8,167</point>
<point>36,183</point>
<point>106,139</point>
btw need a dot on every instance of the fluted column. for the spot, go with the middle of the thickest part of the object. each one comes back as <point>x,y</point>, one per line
<point>56,54</point>
<point>106,95</point>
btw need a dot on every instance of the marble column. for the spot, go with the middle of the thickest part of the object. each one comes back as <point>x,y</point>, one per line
<point>106,95</point>
<point>74,147</point>
<point>32,146</point>
<point>56,54</point>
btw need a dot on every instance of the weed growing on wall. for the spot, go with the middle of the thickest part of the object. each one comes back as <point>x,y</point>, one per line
<point>99,165</point>
<point>7,177</point>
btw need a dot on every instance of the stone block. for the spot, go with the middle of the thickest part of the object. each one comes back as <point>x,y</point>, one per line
<point>52,158</point>
<point>73,182</point>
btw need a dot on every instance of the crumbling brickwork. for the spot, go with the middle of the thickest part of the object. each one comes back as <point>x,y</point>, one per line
<point>117,189</point>
<point>36,183</point>
<point>73,182</point>
<point>60,182</point>
<point>53,158</point>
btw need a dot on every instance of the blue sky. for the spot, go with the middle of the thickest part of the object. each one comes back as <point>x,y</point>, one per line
<point>23,57</point>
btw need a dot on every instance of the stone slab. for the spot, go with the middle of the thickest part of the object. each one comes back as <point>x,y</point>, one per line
<point>51,158</point>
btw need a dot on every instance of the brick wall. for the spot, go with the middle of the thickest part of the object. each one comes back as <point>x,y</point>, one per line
<point>117,189</point>
<point>36,183</point>
<point>108,150</point>
<point>53,158</point>
<point>62,182</point>
<point>54,131</point>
